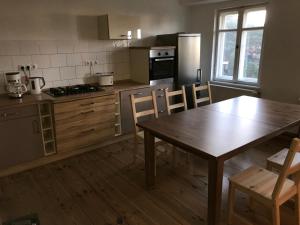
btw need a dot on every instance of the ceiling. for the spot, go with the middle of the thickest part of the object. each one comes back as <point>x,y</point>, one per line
<point>198,2</point>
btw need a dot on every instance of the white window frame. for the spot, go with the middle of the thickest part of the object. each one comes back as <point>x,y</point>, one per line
<point>239,30</point>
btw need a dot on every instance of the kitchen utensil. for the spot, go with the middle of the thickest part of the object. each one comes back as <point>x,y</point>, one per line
<point>105,79</point>
<point>14,86</point>
<point>36,85</point>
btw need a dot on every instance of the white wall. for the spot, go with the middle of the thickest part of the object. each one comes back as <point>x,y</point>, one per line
<point>59,35</point>
<point>62,19</point>
<point>280,77</point>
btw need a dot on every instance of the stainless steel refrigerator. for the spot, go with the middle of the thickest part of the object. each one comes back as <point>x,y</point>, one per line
<point>188,70</point>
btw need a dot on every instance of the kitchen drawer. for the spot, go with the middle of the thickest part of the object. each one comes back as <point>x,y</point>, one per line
<point>84,104</point>
<point>15,113</point>
<point>86,137</point>
<point>67,126</point>
<point>82,115</point>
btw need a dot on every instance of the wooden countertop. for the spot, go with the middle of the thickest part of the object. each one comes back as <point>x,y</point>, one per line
<point>7,102</point>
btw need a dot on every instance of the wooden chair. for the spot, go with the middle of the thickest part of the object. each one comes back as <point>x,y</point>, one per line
<point>201,99</point>
<point>267,187</point>
<point>177,105</point>
<point>139,133</point>
<point>169,94</point>
<point>276,161</point>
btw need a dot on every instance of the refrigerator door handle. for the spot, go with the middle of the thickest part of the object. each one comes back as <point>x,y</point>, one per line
<point>199,75</point>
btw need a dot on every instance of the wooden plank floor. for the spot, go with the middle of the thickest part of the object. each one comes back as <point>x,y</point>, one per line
<point>107,187</point>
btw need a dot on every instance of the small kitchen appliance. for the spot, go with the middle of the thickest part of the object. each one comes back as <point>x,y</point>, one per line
<point>36,85</point>
<point>105,79</point>
<point>14,86</point>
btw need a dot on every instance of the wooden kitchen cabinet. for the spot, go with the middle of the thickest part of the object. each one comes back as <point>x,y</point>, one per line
<point>117,26</point>
<point>21,139</point>
<point>83,123</point>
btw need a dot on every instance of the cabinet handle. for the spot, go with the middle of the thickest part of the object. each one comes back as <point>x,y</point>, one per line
<point>88,131</point>
<point>87,104</point>
<point>161,111</point>
<point>87,112</point>
<point>138,93</point>
<point>160,96</point>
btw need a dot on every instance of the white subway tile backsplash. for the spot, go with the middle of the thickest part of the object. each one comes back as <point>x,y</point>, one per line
<point>6,63</point>
<point>58,60</point>
<point>59,83</point>
<point>101,57</point>
<point>76,81</point>
<point>108,68</point>
<point>21,60</point>
<point>74,60</point>
<point>36,73</point>
<point>67,73</point>
<point>82,71</point>
<point>43,61</point>
<point>98,68</point>
<point>62,63</point>
<point>47,47</point>
<point>51,74</point>
<point>29,47</point>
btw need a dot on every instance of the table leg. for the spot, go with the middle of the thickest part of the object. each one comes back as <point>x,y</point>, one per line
<point>215,180</point>
<point>149,159</point>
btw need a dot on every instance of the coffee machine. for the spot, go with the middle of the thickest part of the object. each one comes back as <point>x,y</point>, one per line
<point>14,85</point>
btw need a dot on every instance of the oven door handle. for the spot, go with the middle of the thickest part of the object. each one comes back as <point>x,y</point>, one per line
<point>164,59</point>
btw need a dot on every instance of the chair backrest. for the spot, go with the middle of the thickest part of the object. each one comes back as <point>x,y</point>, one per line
<point>287,169</point>
<point>169,94</point>
<point>152,111</point>
<point>201,99</point>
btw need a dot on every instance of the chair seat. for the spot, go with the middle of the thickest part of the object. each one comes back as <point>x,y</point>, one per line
<point>259,181</point>
<point>277,160</point>
<point>142,136</point>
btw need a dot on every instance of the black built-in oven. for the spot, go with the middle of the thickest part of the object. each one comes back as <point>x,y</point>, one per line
<point>161,63</point>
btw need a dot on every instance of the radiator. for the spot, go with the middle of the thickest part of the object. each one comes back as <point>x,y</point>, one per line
<point>221,92</point>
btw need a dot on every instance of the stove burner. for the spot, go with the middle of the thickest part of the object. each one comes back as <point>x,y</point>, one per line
<point>73,90</point>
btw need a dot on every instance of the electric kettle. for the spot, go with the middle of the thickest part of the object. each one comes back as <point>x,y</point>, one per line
<point>36,85</point>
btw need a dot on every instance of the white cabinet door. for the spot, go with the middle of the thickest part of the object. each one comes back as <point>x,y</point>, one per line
<point>118,26</point>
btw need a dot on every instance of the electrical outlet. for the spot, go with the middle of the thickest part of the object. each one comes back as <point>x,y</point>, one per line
<point>27,67</point>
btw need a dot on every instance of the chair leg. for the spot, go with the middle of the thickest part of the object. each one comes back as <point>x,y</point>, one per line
<point>276,214</point>
<point>231,199</point>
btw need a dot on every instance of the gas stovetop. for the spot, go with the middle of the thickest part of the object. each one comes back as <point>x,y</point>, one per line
<point>73,90</point>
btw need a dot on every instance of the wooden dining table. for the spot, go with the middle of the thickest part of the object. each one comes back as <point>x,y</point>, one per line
<point>217,132</point>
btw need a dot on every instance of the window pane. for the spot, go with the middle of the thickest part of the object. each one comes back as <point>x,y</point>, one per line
<point>250,55</point>
<point>228,20</point>
<point>226,55</point>
<point>254,18</point>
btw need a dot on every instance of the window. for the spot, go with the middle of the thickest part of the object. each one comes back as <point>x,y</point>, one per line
<point>239,44</point>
